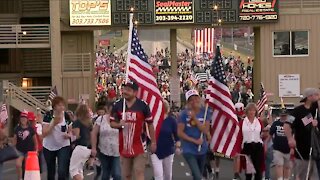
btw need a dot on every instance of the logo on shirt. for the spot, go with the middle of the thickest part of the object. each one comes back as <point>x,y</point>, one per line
<point>131,116</point>
<point>23,134</point>
<point>280,131</point>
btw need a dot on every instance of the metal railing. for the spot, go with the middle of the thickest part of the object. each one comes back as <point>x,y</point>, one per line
<point>39,92</point>
<point>76,62</point>
<point>299,4</point>
<point>25,36</point>
<point>27,100</point>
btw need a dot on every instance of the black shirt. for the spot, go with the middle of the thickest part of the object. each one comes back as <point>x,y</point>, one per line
<point>25,141</point>
<point>84,139</point>
<point>280,141</point>
<point>303,133</point>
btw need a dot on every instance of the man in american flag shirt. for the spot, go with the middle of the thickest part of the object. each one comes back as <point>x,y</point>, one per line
<point>137,114</point>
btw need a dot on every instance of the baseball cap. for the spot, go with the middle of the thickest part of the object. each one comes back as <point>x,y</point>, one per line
<point>239,109</point>
<point>24,114</point>
<point>308,92</point>
<point>132,84</point>
<point>31,116</point>
<point>190,93</point>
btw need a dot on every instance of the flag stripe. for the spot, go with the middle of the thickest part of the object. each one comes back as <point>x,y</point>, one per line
<point>204,40</point>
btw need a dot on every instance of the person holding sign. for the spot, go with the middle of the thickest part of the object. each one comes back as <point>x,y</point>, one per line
<point>300,124</point>
<point>193,125</point>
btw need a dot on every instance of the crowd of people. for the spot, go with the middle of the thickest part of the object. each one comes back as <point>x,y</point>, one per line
<point>118,142</point>
<point>110,73</point>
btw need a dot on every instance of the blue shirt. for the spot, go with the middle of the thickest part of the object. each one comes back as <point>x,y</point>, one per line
<point>167,138</point>
<point>193,132</point>
<point>280,141</point>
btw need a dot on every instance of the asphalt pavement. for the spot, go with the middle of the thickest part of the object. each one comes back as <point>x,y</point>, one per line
<point>180,171</point>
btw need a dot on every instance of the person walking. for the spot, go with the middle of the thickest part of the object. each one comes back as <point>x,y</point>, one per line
<point>252,144</point>
<point>107,139</point>
<point>25,140</point>
<point>56,140</point>
<point>137,114</point>
<point>190,127</point>
<point>281,149</point>
<point>300,124</point>
<point>81,130</point>
<point>168,144</point>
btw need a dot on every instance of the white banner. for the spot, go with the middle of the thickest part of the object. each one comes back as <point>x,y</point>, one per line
<point>289,85</point>
<point>90,12</point>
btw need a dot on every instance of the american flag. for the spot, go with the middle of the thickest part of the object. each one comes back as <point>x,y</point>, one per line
<point>263,100</point>
<point>3,114</point>
<point>141,71</point>
<point>53,93</point>
<point>194,79</point>
<point>204,40</point>
<point>225,126</point>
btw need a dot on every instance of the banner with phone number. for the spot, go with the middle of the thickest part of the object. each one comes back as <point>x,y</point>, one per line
<point>90,12</point>
<point>178,11</point>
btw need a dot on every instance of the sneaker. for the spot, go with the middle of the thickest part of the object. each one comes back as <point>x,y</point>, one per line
<point>237,177</point>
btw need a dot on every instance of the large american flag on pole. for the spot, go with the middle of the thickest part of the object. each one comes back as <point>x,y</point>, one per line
<point>225,126</point>
<point>204,41</point>
<point>263,100</point>
<point>141,71</point>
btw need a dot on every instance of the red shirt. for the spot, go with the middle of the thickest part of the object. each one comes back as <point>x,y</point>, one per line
<point>130,138</point>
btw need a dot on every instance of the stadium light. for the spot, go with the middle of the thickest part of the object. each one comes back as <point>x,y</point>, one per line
<point>215,7</point>
<point>131,9</point>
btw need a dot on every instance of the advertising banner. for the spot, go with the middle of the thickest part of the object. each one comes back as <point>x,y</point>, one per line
<point>90,12</point>
<point>258,10</point>
<point>178,11</point>
<point>289,85</point>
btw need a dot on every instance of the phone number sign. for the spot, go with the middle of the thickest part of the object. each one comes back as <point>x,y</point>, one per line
<point>258,10</point>
<point>178,11</point>
<point>90,12</point>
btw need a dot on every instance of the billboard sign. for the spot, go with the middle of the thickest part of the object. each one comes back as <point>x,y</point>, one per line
<point>178,11</point>
<point>258,10</point>
<point>90,12</point>
<point>289,85</point>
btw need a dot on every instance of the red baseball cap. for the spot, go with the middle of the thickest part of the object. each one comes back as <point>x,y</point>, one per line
<point>31,116</point>
<point>24,114</point>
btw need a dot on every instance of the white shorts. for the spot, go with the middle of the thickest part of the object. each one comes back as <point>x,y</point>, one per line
<point>79,157</point>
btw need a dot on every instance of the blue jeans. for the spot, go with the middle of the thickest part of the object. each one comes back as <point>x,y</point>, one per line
<point>196,164</point>
<point>63,155</point>
<point>110,167</point>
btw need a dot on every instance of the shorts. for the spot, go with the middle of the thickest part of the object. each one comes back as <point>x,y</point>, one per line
<point>137,163</point>
<point>79,157</point>
<point>281,159</point>
<point>301,167</point>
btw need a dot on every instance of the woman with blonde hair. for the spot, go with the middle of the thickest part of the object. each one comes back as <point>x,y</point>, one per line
<point>252,144</point>
<point>81,130</point>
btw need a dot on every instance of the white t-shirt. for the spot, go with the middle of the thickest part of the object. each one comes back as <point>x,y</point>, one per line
<point>56,140</point>
<point>251,131</point>
<point>108,138</point>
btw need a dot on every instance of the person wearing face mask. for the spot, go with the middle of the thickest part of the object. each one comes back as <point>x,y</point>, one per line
<point>56,140</point>
<point>190,127</point>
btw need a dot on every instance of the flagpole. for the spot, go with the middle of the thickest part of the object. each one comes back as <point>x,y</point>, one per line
<point>128,61</point>
<point>204,122</point>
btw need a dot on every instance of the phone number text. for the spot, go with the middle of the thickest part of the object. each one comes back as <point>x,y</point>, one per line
<point>258,17</point>
<point>174,18</point>
<point>89,21</point>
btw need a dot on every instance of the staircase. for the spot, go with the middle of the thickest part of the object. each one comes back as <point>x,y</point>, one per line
<point>20,99</point>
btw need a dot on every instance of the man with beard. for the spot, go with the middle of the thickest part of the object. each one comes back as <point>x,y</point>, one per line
<point>300,124</point>
<point>137,113</point>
